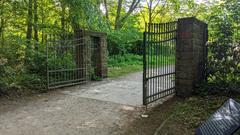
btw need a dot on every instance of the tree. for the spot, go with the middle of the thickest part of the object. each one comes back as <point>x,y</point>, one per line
<point>63,16</point>
<point>120,11</point>
<point>106,10</point>
<point>2,22</point>
<point>120,19</point>
<point>35,22</point>
<point>154,8</point>
<point>29,23</point>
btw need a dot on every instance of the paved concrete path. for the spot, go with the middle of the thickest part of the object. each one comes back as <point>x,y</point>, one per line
<point>123,90</point>
<point>98,108</point>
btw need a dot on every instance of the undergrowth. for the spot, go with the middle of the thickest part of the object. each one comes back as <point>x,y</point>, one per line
<point>119,65</point>
<point>193,111</point>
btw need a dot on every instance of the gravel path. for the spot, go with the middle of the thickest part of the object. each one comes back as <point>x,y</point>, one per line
<point>102,108</point>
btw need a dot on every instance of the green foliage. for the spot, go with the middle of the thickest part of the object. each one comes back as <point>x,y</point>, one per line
<point>195,110</point>
<point>123,64</point>
<point>3,62</point>
<point>123,41</point>
<point>23,60</point>
<point>20,81</point>
<point>85,14</point>
<point>37,63</point>
<point>124,60</point>
<point>127,63</point>
<point>123,70</point>
<point>15,75</point>
<point>60,60</point>
<point>33,82</point>
<point>223,68</point>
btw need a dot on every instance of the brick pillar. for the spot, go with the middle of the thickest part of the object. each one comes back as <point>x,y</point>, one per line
<point>103,52</point>
<point>101,57</point>
<point>190,55</point>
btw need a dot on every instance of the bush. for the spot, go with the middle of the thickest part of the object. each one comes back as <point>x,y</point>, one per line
<point>61,61</point>
<point>21,70</point>
<point>123,41</point>
<point>33,82</point>
<point>223,67</point>
<point>124,60</point>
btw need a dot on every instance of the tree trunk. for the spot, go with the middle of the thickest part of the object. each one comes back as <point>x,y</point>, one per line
<point>63,12</point>
<point>106,10</point>
<point>118,16</point>
<point>99,12</point>
<point>36,24</point>
<point>152,6</point>
<point>2,23</point>
<point>118,25</point>
<point>29,23</point>
<point>121,20</point>
<point>107,13</point>
<point>42,20</point>
<point>150,11</point>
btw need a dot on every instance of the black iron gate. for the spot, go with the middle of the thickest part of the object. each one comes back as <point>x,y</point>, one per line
<point>66,60</point>
<point>159,61</point>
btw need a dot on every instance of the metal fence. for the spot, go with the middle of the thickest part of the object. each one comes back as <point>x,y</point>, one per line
<point>66,60</point>
<point>159,61</point>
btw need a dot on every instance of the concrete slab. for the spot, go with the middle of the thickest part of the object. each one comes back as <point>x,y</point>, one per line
<point>78,110</point>
<point>55,113</point>
<point>124,90</point>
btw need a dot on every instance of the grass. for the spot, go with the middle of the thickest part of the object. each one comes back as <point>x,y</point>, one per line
<point>123,70</point>
<point>192,112</point>
<point>120,65</point>
<point>160,60</point>
<point>178,116</point>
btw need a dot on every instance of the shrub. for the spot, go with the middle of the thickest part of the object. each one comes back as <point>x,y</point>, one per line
<point>124,60</point>
<point>123,41</point>
<point>21,70</point>
<point>223,67</point>
<point>33,82</point>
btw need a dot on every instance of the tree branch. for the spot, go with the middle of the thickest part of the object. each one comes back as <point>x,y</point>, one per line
<point>106,10</point>
<point>159,11</point>
<point>131,9</point>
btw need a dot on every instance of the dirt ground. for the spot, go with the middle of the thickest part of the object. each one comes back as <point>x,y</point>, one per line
<point>64,112</point>
<point>57,114</point>
<point>159,122</point>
